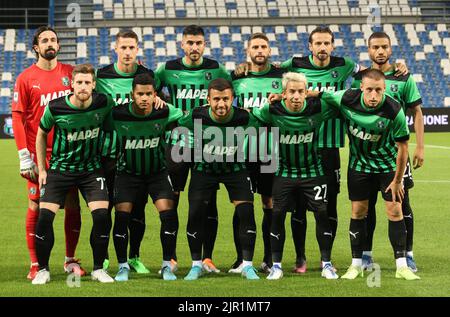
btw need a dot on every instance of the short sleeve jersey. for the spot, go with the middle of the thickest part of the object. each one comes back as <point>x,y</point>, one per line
<point>77,132</point>
<point>372,131</point>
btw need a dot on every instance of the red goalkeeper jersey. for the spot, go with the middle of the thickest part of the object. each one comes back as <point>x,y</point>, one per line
<point>33,90</point>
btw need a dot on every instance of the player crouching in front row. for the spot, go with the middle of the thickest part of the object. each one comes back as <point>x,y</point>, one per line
<point>78,120</point>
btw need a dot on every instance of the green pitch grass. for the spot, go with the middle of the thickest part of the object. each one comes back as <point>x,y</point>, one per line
<point>431,245</point>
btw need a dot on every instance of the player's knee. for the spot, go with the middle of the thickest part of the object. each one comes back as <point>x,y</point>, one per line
<point>33,205</point>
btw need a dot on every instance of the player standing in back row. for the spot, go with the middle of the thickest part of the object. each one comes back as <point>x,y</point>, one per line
<point>187,80</point>
<point>252,90</point>
<point>35,87</point>
<point>116,80</point>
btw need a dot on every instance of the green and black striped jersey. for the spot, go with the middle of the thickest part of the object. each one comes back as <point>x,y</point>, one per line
<point>118,85</point>
<point>329,78</point>
<point>141,138</point>
<point>252,90</point>
<point>188,85</point>
<point>111,81</point>
<point>298,133</point>
<point>402,88</point>
<point>77,132</point>
<point>221,144</point>
<point>372,131</point>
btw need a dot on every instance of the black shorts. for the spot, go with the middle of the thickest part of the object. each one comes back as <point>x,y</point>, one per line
<point>128,187</point>
<point>92,186</point>
<point>238,185</point>
<point>331,163</point>
<point>261,182</point>
<point>109,168</point>
<point>178,171</point>
<point>361,184</point>
<point>288,192</point>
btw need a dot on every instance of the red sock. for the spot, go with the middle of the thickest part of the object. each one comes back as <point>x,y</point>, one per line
<point>30,229</point>
<point>72,226</point>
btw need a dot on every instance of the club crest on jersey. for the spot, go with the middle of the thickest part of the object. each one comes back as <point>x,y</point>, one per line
<point>42,192</point>
<point>33,191</point>
<point>334,74</point>
<point>208,76</point>
<point>380,125</point>
<point>65,81</point>
<point>275,84</point>
<point>394,87</point>
<point>157,127</point>
<point>98,117</point>
<point>311,122</point>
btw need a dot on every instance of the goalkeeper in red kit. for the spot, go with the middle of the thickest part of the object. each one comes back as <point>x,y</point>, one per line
<point>40,83</point>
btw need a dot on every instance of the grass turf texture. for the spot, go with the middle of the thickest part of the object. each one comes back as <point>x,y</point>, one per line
<point>429,199</point>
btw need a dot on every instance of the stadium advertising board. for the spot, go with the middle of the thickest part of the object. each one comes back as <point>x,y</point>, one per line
<point>435,120</point>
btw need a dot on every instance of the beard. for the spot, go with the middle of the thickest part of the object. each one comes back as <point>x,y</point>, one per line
<point>83,97</point>
<point>49,54</point>
<point>322,56</point>
<point>259,62</point>
<point>381,62</point>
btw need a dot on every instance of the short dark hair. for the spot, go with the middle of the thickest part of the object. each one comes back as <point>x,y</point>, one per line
<point>84,69</point>
<point>378,35</point>
<point>321,29</point>
<point>127,34</point>
<point>38,32</point>
<point>372,73</point>
<point>193,30</point>
<point>254,36</point>
<point>220,84</point>
<point>143,79</point>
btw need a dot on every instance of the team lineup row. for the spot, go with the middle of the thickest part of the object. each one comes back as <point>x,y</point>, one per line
<point>133,129</point>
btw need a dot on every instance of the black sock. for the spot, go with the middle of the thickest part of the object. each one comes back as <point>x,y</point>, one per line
<point>266,223</point>
<point>211,227</point>
<point>247,229</point>
<point>136,224</point>
<point>324,234</point>
<point>195,227</point>
<point>371,220</point>
<point>120,235</point>
<point>44,237</point>
<point>357,234</point>
<point>298,226</point>
<point>409,221</point>
<point>99,236</point>
<point>332,213</point>
<point>397,236</point>
<point>169,232</point>
<point>176,199</point>
<point>277,235</point>
<point>237,241</point>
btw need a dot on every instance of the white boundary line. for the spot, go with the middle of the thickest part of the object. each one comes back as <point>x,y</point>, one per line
<point>435,146</point>
<point>421,181</point>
